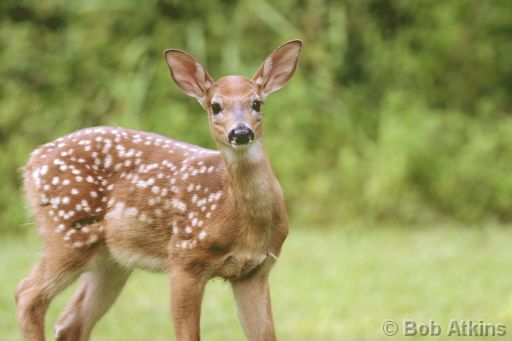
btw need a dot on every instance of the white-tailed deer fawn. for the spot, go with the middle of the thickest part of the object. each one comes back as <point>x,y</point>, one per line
<point>107,200</point>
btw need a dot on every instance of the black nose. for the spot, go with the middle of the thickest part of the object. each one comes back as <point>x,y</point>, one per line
<point>241,135</point>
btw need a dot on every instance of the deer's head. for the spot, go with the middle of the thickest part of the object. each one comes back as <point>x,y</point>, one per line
<point>234,103</point>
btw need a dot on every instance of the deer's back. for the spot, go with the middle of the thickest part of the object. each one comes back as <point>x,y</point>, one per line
<point>126,187</point>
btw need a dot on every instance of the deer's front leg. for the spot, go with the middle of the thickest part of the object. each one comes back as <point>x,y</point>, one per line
<point>253,299</point>
<point>186,297</point>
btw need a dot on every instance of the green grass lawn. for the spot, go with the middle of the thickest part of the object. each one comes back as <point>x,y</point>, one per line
<point>328,285</point>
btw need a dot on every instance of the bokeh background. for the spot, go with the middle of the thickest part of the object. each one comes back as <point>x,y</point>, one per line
<point>399,111</point>
<point>398,119</point>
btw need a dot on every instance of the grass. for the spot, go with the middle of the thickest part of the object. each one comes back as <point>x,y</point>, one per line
<point>328,285</point>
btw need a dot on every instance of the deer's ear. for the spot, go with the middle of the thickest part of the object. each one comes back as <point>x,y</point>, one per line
<point>278,67</point>
<point>188,73</point>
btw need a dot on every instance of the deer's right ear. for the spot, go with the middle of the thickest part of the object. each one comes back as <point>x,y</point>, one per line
<point>278,68</point>
<point>188,74</point>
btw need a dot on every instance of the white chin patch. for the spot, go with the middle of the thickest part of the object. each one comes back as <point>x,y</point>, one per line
<point>241,146</point>
<point>249,152</point>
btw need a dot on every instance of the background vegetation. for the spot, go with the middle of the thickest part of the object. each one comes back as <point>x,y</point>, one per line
<point>399,112</point>
<point>346,284</point>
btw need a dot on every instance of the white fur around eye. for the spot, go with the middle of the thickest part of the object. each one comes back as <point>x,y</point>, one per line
<point>216,118</point>
<point>257,114</point>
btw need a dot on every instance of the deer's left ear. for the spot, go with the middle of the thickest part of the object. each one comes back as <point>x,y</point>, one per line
<point>188,73</point>
<point>278,67</point>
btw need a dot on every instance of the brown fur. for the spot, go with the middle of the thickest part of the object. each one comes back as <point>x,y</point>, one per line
<point>107,200</point>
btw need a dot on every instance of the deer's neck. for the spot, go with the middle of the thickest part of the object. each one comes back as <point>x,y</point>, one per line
<point>252,189</point>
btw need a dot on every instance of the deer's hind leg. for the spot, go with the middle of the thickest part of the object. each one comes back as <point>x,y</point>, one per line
<point>57,268</point>
<point>98,290</point>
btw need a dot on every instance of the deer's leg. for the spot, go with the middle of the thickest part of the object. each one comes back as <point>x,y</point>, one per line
<point>253,299</point>
<point>51,275</point>
<point>186,297</point>
<point>98,290</point>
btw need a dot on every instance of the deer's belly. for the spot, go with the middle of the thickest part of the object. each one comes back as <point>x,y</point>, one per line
<point>238,265</point>
<point>137,245</point>
<point>136,258</point>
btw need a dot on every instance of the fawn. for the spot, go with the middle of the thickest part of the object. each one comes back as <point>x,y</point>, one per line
<point>107,200</point>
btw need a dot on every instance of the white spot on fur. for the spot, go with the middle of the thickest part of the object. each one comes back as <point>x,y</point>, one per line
<point>92,239</point>
<point>202,235</point>
<point>130,212</point>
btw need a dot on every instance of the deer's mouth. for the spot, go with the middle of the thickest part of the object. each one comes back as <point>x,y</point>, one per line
<point>235,145</point>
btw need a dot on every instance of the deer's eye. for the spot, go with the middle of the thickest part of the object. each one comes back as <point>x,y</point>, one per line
<point>256,105</point>
<point>216,108</point>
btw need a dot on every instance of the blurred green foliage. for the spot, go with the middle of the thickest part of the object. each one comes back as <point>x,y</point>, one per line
<point>400,110</point>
